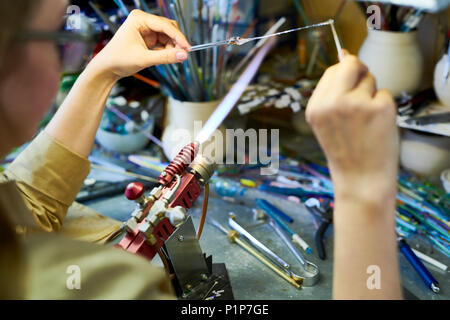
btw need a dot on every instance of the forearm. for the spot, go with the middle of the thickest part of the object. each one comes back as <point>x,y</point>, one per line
<point>364,237</point>
<point>77,120</point>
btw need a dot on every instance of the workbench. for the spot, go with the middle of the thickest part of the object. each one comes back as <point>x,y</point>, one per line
<point>251,280</point>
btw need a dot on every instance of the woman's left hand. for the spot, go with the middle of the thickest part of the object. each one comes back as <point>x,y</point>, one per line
<point>144,40</point>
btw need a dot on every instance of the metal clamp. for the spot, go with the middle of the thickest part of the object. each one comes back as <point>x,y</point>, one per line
<point>311,270</point>
<point>236,226</point>
<point>233,237</point>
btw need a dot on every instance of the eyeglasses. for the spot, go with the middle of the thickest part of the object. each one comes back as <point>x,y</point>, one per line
<point>73,45</point>
<point>59,37</point>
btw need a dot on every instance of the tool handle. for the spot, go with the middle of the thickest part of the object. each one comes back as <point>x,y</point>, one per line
<point>302,243</point>
<point>415,262</point>
<point>278,211</point>
<point>264,260</point>
<point>299,192</point>
<point>262,205</point>
<point>208,45</point>
<point>319,237</point>
<point>234,225</point>
<point>288,243</point>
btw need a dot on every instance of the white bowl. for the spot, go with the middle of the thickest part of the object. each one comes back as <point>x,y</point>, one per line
<point>127,143</point>
<point>425,154</point>
<point>445,177</point>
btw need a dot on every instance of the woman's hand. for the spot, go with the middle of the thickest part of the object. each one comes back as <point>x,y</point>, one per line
<point>356,127</point>
<point>144,40</point>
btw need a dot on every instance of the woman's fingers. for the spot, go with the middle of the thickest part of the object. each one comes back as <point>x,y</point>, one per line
<point>349,73</point>
<point>165,56</point>
<point>166,26</point>
<point>164,39</point>
<point>384,100</point>
<point>367,86</point>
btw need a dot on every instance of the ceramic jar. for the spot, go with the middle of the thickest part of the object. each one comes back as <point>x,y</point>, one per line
<point>184,121</point>
<point>441,87</point>
<point>395,59</point>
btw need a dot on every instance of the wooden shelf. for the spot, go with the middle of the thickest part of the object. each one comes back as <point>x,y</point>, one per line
<point>440,128</point>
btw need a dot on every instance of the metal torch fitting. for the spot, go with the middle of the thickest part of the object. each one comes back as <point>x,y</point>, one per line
<point>203,168</point>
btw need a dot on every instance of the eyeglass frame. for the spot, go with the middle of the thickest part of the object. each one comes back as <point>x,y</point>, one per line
<point>59,37</point>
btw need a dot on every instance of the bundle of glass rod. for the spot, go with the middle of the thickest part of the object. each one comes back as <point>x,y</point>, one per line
<point>203,76</point>
<point>422,209</point>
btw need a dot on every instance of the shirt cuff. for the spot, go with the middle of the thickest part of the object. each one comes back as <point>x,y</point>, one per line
<point>51,168</point>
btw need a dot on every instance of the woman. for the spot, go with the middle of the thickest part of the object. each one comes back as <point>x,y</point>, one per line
<point>355,125</point>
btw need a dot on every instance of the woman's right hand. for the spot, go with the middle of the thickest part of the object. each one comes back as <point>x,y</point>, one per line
<point>356,127</point>
<point>143,40</point>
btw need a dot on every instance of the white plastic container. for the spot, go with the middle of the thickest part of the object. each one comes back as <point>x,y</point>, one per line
<point>395,59</point>
<point>442,88</point>
<point>124,143</point>
<point>184,121</point>
<point>425,154</point>
<point>445,177</point>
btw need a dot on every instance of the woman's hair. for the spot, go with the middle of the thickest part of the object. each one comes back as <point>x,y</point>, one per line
<point>13,17</point>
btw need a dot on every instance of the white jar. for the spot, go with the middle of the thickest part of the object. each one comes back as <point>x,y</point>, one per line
<point>442,88</point>
<point>425,154</point>
<point>184,121</point>
<point>395,59</point>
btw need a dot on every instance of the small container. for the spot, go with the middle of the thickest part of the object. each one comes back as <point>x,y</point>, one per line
<point>425,154</point>
<point>125,143</point>
<point>395,59</point>
<point>445,177</point>
<point>184,121</point>
<point>441,87</point>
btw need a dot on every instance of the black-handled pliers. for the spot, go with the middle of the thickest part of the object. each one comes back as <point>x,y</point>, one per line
<point>323,212</point>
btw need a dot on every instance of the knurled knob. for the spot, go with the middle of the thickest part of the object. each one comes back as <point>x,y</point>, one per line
<point>134,191</point>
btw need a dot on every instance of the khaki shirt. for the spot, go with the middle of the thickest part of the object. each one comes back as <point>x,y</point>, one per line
<point>65,246</point>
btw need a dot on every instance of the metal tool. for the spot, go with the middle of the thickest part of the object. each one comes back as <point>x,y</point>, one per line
<point>124,173</point>
<point>336,40</point>
<point>234,225</point>
<point>430,119</point>
<point>238,41</point>
<point>312,271</point>
<point>324,214</point>
<point>423,272</point>
<point>262,204</point>
<point>212,45</point>
<point>233,237</point>
<point>230,100</point>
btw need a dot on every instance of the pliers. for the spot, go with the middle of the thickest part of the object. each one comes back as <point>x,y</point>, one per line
<point>322,211</point>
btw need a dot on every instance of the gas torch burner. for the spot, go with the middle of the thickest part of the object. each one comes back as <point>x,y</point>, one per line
<point>160,224</point>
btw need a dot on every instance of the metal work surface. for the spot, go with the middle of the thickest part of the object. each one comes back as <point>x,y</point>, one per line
<point>251,279</point>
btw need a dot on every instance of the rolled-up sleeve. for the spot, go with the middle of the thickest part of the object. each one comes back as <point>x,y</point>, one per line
<point>49,177</point>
